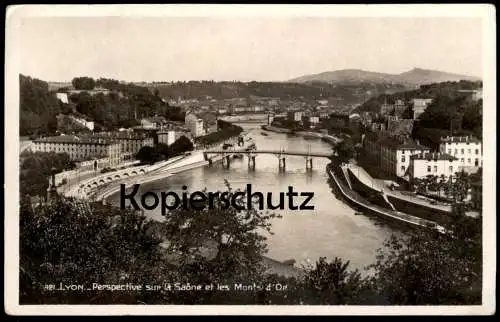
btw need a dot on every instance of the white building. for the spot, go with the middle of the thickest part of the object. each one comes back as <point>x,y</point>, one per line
<point>81,148</point>
<point>194,124</point>
<point>419,106</point>
<point>88,124</point>
<point>295,116</point>
<point>395,155</point>
<point>468,150</point>
<point>154,122</point>
<point>475,95</point>
<point>63,97</point>
<point>435,164</point>
<point>314,121</point>
<point>130,142</point>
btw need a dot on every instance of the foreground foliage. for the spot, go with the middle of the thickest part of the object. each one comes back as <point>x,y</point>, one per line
<point>71,242</point>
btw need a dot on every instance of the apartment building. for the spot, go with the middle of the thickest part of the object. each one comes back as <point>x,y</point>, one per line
<point>435,164</point>
<point>194,124</point>
<point>395,154</point>
<point>467,149</point>
<point>419,106</point>
<point>81,148</point>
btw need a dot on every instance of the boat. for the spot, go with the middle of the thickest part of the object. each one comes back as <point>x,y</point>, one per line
<point>264,133</point>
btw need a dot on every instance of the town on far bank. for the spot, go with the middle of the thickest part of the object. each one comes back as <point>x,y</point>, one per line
<point>419,147</point>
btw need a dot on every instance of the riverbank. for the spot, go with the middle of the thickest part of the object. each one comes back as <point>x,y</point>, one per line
<point>306,134</point>
<point>335,173</point>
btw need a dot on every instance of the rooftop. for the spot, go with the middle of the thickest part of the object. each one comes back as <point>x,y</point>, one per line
<point>76,139</point>
<point>433,156</point>
<point>399,144</point>
<point>460,139</point>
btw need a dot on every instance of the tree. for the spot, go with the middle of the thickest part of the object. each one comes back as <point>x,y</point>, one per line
<point>147,154</point>
<point>217,244</point>
<point>83,83</point>
<point>71,242</point>
<point>36,170</point>
<point>331,283</point>
<point>345,150</point>
<point>431,268</point>
<point>38,107</point>
<point>180,146</point>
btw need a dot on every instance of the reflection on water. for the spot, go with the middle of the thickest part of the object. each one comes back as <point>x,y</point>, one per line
<point>330,230</point>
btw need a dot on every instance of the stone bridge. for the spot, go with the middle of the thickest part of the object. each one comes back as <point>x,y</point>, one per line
<point>251,153</point>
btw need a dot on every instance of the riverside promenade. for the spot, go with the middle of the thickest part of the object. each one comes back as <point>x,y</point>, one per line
<point>359,201</point>
<point>376,184</point>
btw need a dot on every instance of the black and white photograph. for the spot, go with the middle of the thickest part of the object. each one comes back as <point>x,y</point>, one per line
<point>250,159</point>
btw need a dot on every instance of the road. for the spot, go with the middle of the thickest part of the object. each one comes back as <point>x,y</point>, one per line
<point>369,181</point>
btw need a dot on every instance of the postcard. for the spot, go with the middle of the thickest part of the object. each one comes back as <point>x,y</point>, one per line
<point>250,159</point>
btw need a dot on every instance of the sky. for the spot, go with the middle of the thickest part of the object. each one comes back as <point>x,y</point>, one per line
<point>242,48</point>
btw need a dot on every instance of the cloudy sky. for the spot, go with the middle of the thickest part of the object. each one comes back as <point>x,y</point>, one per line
<point>243,48</point>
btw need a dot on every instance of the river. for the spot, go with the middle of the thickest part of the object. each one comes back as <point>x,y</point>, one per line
<point>330,230</point>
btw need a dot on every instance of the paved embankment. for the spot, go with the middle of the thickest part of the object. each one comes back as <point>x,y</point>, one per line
<point>356,199</point>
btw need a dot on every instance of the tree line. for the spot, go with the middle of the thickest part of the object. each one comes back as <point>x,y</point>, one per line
<point>161,151</point>
<point>36,169</point>
<point>119,108</point>
<point>37,107</point>
<point>346,93</point>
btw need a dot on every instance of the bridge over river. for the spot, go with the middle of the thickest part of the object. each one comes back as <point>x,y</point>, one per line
<point>280,154</point>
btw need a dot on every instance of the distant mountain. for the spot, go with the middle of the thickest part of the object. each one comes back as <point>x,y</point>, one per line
<point>416,76</point>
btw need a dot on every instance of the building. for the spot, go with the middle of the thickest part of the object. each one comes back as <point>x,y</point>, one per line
<point>154,122</point>
<point>338,120</point>
<point>474,95</point>
<point>314,121</point>
<point>467,149</point>
<point>270,119</point>
<point>324,115</point>
<point>477,195</point>
<point>194,124</point>
<point>397,126</point>
<point>81,148</point>
<point>295,116</point>
<point>395,155</point>
<point>435,164</point>
<point>130,142</point>
<point>419,105</point>
<point>83,122</point>
<point>63,97</point>
<point>166,137</point>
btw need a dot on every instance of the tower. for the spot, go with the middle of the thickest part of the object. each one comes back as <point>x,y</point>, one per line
<point>51,190</point>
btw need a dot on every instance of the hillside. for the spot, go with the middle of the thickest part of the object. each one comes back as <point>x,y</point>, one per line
<point>343,94</point>
<point>416,76</point>
<point>449,89</point>
<point>39,105</point>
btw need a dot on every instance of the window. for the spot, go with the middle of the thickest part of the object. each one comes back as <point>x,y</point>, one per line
<point>435,169</point>
<point>403,152</point>
<point>456,151</point>
<point>462,160</point>
<point>477,151</point>
<point>462,150</point>
<point>403,168</point>
<point>449,151</point>
<point>476,162</point>
<point>451,169</point>
<point>468,161</point>
<point>468,151</point>
<point>402,159</point>
<point>429,168</point>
